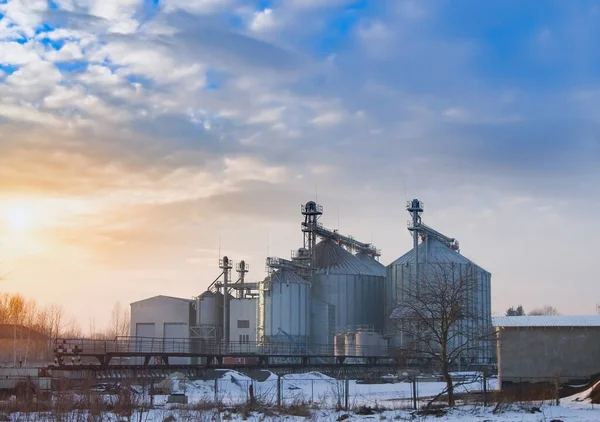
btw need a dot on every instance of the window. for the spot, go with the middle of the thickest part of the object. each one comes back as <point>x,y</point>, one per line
<point>243,323</point>
<point>244,338</point>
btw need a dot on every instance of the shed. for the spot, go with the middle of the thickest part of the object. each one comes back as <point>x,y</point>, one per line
<point>540,348</point>
<point>166,320</point>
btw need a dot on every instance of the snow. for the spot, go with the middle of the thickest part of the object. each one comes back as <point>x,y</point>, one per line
<point>320,394</point>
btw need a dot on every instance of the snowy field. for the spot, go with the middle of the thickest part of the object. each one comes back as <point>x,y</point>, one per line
<point>314,396</point>
<point>232,388</point>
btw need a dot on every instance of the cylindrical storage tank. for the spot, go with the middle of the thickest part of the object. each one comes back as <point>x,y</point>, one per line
<point>285,298</point>
<point>354,288</point>
<point>209,309</point>
<point>367,344</point>
<point>350,344</point>
<point>340,345</point>
<point>437,257</point>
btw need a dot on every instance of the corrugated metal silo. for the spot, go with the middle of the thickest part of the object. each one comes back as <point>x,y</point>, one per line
<point>375,265</point>
<point>401,273</point>
<point>285,305</point>
<point>354,288</point>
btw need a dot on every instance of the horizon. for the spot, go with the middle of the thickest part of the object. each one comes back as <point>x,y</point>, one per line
<point>142,140</point>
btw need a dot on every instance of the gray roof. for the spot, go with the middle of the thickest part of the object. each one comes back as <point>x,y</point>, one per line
<point>547,321</point>
<point>287,277</point>
<point>377,267</point>
<point>160,297</point>
<point>436,251</point>
<point>331,258</point>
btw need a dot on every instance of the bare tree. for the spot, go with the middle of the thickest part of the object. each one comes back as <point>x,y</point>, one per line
<point>545,310</point>
<point>118,324</point>
<point>440,321</point>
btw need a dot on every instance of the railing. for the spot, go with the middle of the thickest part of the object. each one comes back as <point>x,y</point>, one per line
<point>139,346</point>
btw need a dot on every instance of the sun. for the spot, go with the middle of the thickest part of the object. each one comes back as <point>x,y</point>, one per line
<point>17,217</point>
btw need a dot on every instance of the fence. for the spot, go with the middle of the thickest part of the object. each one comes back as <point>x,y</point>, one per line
<point>315,389</point>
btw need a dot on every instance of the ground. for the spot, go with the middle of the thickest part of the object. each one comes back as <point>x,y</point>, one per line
<point>311,396</point>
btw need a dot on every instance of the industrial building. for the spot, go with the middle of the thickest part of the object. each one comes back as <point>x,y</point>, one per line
<point>533,349</point>
<point>331,297</point>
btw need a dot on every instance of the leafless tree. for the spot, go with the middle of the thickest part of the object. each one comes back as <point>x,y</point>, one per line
<point>118,324</point>
<point>439,319</point>
<point>545,310</point>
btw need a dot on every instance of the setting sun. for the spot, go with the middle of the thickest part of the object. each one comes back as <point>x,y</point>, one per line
<point>18,217</point>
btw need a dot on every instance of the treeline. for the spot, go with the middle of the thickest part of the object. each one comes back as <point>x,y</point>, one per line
<point>53,321</point>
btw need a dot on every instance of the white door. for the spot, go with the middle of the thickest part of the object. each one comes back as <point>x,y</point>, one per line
<point>145,336</point>
<point>176,339</point>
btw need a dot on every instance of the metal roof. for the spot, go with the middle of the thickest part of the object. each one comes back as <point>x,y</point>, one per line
<point>435,251</point>
<point>286,276</point>
<point>547,321</point>
<point>161,297</point>
<point>331,258</point>
<point>377,267</point>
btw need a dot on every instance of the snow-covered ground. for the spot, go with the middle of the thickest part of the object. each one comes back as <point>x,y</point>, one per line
<point>316,395</point>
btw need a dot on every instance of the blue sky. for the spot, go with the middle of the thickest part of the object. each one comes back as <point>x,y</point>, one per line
<point>148,130</point>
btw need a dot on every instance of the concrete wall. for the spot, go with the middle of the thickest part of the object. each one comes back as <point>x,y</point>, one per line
<point>242,309</point>
<point>533,353</point>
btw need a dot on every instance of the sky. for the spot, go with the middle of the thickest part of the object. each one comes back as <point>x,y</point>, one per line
<point>142,139</point>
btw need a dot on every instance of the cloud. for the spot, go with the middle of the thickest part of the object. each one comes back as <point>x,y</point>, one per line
<point>263,20</point>
<point>151,131</point>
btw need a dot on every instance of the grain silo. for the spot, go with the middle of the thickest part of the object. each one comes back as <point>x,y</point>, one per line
<point>284,307</point>
<point>433,251</point>
<point>352,287</point>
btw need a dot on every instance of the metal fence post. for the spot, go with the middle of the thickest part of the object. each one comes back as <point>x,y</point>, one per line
<point>278,390</point>
<point>484,388</point>
<point>312,390</point>
<point>414,392</point>
<point>216,390</point>
<point>557,390</point>
<point>346,392</point>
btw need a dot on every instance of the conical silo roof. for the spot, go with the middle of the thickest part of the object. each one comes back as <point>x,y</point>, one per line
<point>287,277</point>
<point>377,267</point>
<point>435,251</point>
<point>331,258</point>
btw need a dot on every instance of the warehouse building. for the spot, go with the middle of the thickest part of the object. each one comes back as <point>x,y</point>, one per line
<point>163,323</point>
<point>540,348</point>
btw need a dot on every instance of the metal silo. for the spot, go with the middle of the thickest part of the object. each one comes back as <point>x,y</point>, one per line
<point>285,307</point>
<point>376,266</point>
<point>353,287</point>
<point>436,252</point>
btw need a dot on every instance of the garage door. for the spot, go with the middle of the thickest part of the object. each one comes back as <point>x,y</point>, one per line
<point>176,339</point>
<point>145,333</point>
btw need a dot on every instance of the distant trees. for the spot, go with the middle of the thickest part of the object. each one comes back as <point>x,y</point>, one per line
<point>518,311</point>
<point>119,323</point>
<point>53,322</point>
<point>50,320</point>
<point>438,322</point>
<point>545,310</point>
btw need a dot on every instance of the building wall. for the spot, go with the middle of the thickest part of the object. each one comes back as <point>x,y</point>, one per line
<point>242,310</point>
<point>160,310</point>
<point>532,353</point>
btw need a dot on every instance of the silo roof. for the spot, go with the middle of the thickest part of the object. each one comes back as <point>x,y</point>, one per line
<point>287,276</point>
<point>377,267</point>
<point>436,251</point>
<point>331,258</point>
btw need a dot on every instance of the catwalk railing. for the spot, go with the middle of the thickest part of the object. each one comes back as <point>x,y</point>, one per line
<point>140,346</point>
